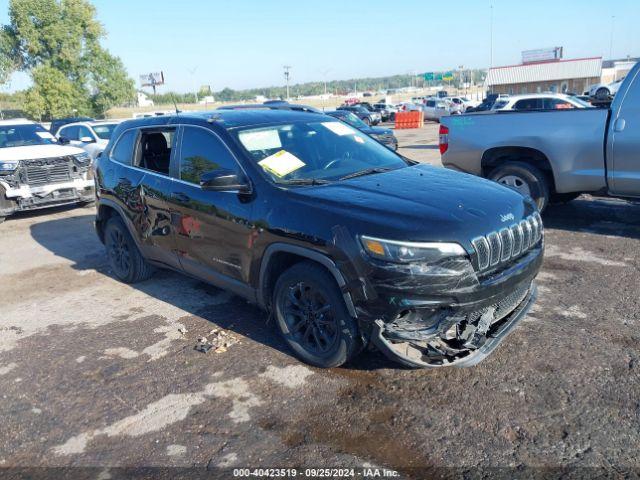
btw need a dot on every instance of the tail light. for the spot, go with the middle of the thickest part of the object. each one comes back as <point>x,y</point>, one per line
<point>444,139</point>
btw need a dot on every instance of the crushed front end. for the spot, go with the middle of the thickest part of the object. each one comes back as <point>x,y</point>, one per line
<point>45,182</point>
<point>453,308</point>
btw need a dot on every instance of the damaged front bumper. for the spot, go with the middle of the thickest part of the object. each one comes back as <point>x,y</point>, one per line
<point>450,345</point>
<point>19,198</point>
<point>441,314</point>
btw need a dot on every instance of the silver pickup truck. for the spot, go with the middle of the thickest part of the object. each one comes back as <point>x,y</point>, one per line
<point>552,155</point>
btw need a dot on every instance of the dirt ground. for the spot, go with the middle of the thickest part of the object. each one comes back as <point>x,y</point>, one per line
<point>98,374</point>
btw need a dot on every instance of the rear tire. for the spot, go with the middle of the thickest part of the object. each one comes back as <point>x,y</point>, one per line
<point>524,178</point>
<point>124,257</point>
<point>312,317</point>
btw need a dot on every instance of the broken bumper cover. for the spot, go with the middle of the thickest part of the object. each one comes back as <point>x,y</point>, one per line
<point>24,198</point>
<point>470,353</point>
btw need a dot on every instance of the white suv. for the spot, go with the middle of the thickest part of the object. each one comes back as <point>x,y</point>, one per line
<point>37,172</point>
<point>92,137</point>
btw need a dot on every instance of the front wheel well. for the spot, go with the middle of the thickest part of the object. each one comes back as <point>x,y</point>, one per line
<point>495,157</point>
<point>104,213</point>
<point>280,261</point>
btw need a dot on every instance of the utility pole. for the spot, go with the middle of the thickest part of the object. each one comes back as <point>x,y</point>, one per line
<point>286,77</point>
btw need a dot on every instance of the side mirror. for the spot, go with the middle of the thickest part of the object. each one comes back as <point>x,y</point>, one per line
<point>64,141</point>
<point>224,181</point>
<point>87,140</point>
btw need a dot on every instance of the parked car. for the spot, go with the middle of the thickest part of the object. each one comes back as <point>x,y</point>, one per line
<point>37,172</point>
<point>409,107</point>
<point>457,104</point>
<point>344,241</point>
<point>553,156</point>
<point>370,118</point>
<point>540,101</point>
<point>487,103</point>
<point>59,122</point>
<point>92,137</point>
<point>383,135</point>
<point>434,109</point>
<point>604,92</point>
<point>386,111</point>
<point>272,105</point>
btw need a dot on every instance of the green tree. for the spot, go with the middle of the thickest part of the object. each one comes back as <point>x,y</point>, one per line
<point>64,36</point>
<point>108,81</point>
<point>53,95</point>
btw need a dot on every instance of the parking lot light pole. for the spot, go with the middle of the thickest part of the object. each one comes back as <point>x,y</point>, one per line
<point>286,77</point>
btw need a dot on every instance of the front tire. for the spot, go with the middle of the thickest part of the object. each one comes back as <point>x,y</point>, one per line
<point>124,257</point>
<point>312,317</point>
<point>524,178</point>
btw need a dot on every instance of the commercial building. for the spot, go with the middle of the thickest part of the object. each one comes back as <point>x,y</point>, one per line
<point>556,75</point>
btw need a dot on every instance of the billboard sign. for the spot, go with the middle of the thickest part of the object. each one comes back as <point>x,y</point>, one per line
<point>542,55</point>
<point>152,79</point>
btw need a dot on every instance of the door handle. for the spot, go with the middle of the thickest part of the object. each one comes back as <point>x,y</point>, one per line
<point>181,197</point>
<point>619,125</point>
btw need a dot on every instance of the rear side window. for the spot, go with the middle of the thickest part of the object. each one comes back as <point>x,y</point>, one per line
<point>122,152</point>
<point>202,152</point>
<point>431,103</point>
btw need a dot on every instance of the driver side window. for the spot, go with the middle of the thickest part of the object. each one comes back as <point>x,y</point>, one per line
<point>203,152</point>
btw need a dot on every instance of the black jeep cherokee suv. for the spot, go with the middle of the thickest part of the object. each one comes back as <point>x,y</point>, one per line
<point>343,240</point>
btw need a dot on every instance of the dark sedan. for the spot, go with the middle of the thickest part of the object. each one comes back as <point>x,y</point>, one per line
<point>370,118</point>
<point>383,135</point>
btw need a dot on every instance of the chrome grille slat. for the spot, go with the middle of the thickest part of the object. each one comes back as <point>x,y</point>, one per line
<point>508,243</point>
<point>481,247</point>
<point>517,239</point>
<point>495,248</point>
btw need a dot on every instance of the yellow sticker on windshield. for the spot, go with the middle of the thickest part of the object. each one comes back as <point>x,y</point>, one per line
<point>281,163</point>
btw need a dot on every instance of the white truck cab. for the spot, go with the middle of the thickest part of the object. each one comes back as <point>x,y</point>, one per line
<point>37,172</point>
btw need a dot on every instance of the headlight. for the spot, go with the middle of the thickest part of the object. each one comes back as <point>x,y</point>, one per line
<point>410,252</point>
<point>82,159</point>
<point>8,166</point>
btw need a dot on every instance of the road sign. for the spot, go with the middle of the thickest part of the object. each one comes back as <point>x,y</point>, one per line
<point>447,76</point>
<point>438,77</point>
<point>428,77</point>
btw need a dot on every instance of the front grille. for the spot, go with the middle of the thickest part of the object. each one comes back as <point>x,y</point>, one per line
<point>504,245</point>
<point>46,171</point>
<point>502,308</point>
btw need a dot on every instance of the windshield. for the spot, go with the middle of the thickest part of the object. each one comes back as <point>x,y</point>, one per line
<point>24,135</point>
<point>104,130</point>
<point>500,104</point>
<point>315,151</point>
<point>353,120</point>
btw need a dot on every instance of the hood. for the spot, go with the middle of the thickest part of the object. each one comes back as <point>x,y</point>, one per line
<point>37,151</point>
<point>419,203</point>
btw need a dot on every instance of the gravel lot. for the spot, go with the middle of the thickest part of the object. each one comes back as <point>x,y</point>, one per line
<point>96,373</point>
